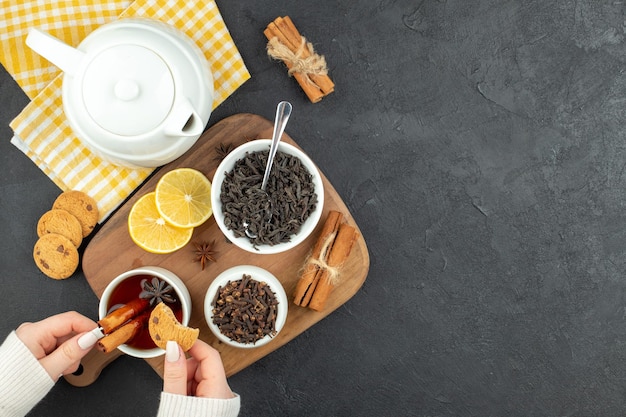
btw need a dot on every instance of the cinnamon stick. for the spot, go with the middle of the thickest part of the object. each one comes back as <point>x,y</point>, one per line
<point>315,86</point>
<point>311,274</point>
<point>123,334</point>
<point>120,316</point>
<point>346,236</point>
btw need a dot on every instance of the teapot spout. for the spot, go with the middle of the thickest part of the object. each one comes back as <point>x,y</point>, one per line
<point>54,50</point>
<point>184,120</point>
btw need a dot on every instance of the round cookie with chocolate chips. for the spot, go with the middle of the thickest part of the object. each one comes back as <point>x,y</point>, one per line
<point>60,222</point>
<point>56,256</point>
<point>81,206</point>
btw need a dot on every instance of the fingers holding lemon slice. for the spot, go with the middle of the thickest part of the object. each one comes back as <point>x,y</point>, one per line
<point>163,221</point>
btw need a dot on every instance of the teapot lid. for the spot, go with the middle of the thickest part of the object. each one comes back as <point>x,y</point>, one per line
<point>127,89</point>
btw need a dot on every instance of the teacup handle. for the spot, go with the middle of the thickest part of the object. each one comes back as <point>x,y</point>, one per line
<point>91,366</point>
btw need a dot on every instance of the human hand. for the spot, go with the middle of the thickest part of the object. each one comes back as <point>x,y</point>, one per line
<point>202,375</point>
<point>59,342</point>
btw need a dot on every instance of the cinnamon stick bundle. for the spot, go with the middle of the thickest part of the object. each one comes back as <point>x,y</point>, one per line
<point>346,236</point>
<point>307,67</point>
<point>329,253</point>
<point>120,316</point>
<point>311,274</point>
<point>123,334</point>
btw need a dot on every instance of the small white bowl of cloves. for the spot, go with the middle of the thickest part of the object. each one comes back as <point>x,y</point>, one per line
<point>246,306</point>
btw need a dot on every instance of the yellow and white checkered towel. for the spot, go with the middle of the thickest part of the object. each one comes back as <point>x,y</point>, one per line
<point>41,129</point>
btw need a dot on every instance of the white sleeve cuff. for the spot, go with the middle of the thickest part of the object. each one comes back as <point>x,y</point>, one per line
<point>174,405</point>
<point>24,381</point>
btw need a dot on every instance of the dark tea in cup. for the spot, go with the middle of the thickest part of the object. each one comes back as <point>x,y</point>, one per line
<point>144,286</point>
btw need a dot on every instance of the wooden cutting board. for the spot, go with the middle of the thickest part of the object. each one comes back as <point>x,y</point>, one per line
<point>111,252</point>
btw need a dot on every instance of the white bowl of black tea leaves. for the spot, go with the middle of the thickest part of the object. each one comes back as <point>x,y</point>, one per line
<point>278,219</point>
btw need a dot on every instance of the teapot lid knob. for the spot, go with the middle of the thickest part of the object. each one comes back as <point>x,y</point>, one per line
<point>127,90</point>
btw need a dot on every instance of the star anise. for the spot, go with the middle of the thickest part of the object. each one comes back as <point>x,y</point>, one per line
<point>222,150</point>
<point>157,291</point>
<point>205,252</point>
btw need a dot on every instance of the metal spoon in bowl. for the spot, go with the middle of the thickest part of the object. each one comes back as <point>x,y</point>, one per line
<point>283,111</point>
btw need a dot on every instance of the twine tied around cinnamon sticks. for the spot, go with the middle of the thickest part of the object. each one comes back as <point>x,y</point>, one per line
<point>320,262</point>
<point>307,67</point>
<point>321,271</point>
<point>313,64</point>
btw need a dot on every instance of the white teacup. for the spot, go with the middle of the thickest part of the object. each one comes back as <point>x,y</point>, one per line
<point>155,271</point>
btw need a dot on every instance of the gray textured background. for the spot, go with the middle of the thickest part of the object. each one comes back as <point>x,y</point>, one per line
<point>479,145</point>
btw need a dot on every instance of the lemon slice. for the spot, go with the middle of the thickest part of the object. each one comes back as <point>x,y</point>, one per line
<point>151,232</point>
<point>183,197</point>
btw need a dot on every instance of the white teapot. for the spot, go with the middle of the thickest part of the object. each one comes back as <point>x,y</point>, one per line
<point>137,92</point>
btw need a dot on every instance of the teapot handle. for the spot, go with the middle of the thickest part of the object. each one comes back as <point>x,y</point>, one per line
<point>184,120</point>
<point>54,50</point>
